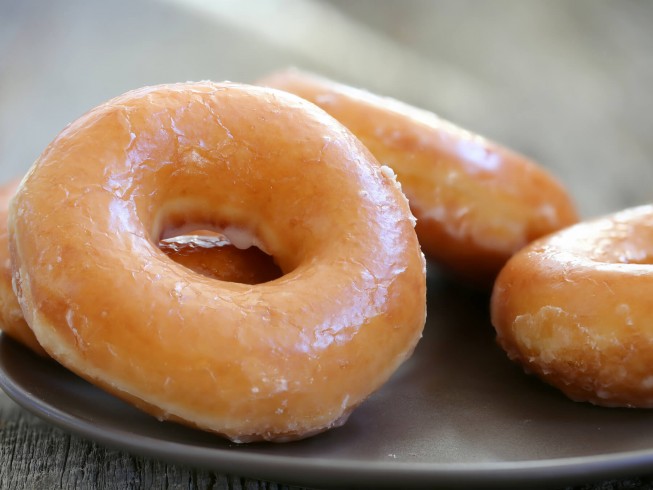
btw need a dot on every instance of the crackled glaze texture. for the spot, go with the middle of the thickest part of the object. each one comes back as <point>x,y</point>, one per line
<point>12,321</point>
<point>277,361</point>
<point>575,308</point>
<point>210,254</point>
<point>476,202</point>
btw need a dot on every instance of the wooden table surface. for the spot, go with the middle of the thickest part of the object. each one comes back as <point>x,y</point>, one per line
<point>568,83</point>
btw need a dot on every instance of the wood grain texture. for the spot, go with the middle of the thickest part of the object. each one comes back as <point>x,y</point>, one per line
<point>35,455</point>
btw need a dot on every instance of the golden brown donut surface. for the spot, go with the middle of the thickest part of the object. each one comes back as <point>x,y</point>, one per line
<point>212,255</point>
<point>275,361</point>
<point>12,321</point>
<point>476,202</point>
<point>575,309</point>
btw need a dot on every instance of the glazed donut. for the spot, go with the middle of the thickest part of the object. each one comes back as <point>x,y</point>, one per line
<point>476,203</point>
<point>574,308</point>
<point>275,361</point>
<point>12,321</point>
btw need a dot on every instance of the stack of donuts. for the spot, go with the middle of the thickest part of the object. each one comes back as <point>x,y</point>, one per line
<point>306,288</point>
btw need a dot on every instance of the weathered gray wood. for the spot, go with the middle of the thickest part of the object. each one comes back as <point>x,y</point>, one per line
<point>35,455</point>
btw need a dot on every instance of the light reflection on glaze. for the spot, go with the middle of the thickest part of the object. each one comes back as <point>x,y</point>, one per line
<point>476,151</point>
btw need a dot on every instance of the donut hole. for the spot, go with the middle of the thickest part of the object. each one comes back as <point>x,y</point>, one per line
<point>219,242</point>
<point>217,255</point>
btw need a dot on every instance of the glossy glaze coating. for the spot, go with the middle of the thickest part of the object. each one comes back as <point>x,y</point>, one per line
<point>211,256</point>
<point>575,309</point>
<point>476,202</point>
<point>276,361</point>
<point>12,321</point>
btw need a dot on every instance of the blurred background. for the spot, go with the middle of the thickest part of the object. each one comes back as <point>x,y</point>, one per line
<point>567,83</point>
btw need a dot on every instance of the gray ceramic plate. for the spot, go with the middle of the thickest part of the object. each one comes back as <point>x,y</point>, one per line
<point>458,414</point>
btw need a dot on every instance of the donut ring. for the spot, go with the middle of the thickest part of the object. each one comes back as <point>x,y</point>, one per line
<point>574,308</point>
<point>476,202</point>
<point>213,256</point>
<point>275,361</point>
<point>12,321</point>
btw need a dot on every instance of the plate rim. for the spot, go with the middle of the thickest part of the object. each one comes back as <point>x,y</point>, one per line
<point>296,470</point>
